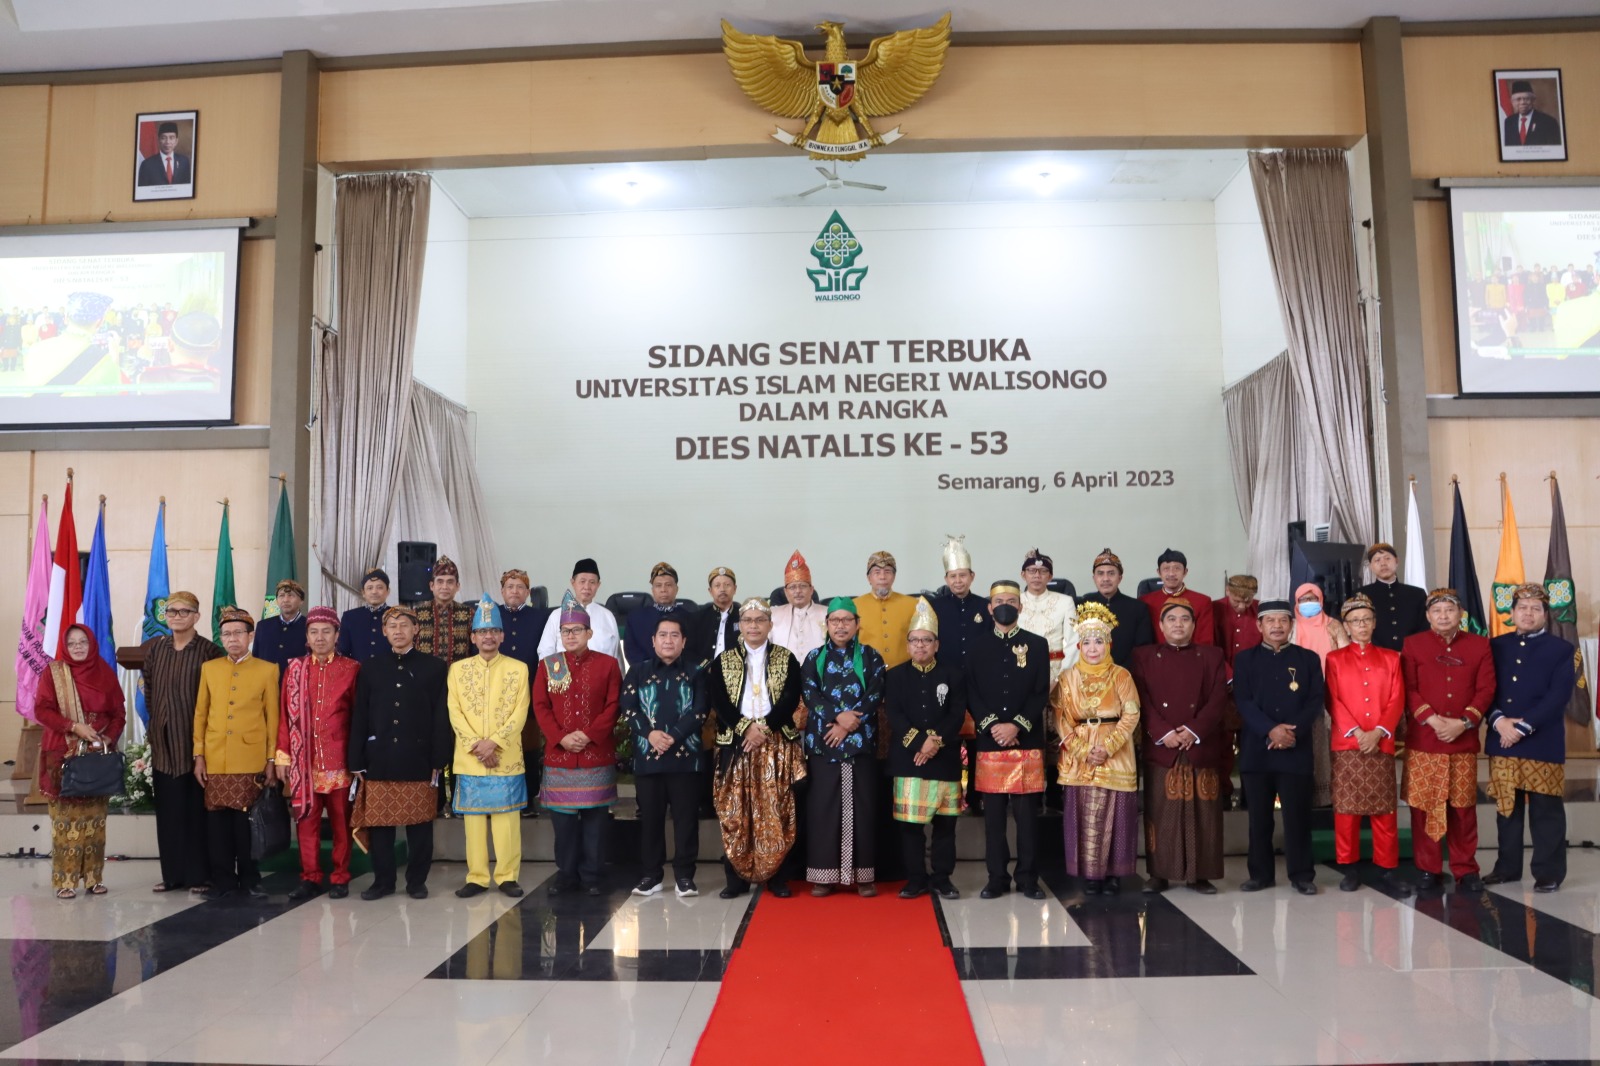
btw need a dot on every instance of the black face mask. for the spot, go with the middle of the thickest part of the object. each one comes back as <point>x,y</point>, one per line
<point>1006,615</point>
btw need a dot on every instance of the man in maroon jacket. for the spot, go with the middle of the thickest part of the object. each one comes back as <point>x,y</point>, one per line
<point>1234,622</point>
<point>1173,566</point>
<point>1449,677</point>
<point>1182,692</point>
<point>575,694</point>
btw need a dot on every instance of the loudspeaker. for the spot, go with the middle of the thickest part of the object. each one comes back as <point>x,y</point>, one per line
<point>415,558</point>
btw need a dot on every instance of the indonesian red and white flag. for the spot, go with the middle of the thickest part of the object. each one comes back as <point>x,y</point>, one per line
<point>66,584</point>
<point>32,659</point>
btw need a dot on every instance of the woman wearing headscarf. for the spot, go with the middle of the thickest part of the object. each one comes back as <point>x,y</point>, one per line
<point>1316,631</point>
<point>1097,717</point>
<point>80,707</point>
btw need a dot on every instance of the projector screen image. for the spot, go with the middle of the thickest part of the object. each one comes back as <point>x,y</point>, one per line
<point>118,329</point>
<point>1527,300</point>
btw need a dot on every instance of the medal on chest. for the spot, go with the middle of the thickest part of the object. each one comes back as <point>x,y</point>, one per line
<point>977,617</point>
<point>1021,652</point>
<point>1294,685</point>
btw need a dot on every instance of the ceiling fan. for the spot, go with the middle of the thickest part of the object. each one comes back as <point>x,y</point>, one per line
<point>833,181</point>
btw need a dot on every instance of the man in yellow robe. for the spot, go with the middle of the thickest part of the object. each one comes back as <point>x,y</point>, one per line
<point>489,701</point>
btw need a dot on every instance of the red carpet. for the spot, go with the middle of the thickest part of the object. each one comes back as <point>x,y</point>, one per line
<point>840,980</point>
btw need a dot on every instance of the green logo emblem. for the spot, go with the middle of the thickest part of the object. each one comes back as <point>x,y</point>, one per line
<point>836,250</point>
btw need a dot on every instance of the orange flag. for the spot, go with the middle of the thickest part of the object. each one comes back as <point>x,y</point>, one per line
<point>1508,572</point>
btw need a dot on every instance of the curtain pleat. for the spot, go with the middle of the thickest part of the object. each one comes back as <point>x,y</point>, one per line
<point>440,498</point>
<point>1304,198</point>
<point>381,229</point>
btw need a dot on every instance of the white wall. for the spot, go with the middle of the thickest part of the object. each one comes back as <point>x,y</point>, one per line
<point>441,348</point>
<point>1252,326</point>
<point>1130,288</point>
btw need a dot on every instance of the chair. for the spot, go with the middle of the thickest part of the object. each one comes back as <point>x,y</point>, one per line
<point>1061,584</point>
<point>688,605</point>
<point>779,597</point>
<point>539,597</point>
<point>1149,585</point>
<point>622,604</point>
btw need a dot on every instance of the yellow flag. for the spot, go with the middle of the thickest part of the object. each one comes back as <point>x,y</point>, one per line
<point>1508,573</point>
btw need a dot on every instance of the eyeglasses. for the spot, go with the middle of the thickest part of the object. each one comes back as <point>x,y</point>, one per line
<point>922,640</point>
<point>574,631</point>
<point>1036,570</point>
<point>798,586</point>
<point>180,612</point>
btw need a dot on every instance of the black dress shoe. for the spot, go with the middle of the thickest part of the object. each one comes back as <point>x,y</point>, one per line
<point>1429,882</point>
<point>305,890</point>
<point>511,888</point>
<point>1155,885</point>
<point>594,890</point>
<point>1392,880</point>
<point>420,892</point>
<point>1253,885</point>
<point>370,894</point>
<point>780,888</point>
<point>1350,882</point>
<point>1497,878</point>
<point>468,890</point>
<point>557,888</point>
<point>1546,886</point>
<point>216,893</point>
<point>732,892</point>
<point>338,891</point>
<point>1033,892</point>
<point>1205,888</point>
<point>913,889</point>
<point>994,890</point>
<point>1470,883</point>
<point>1112,886</point>
<point>256,892</point>
<point>1093,888</point>
<point>1306,888</point>
<point>946,890</point>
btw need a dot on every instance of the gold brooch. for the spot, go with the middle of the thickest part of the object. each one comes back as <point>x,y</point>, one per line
<point>1021,652</point>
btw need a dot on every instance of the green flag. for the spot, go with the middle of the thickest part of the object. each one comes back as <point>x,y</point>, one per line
<point>280,557</point>
<point>222,594</point>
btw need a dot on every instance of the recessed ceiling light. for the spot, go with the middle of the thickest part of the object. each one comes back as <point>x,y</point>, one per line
<point>629,186</point>
<point>1045,178</point>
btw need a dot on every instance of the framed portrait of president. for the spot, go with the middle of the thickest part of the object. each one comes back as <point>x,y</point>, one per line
<point>165,160</point>
<point>1530,124</point>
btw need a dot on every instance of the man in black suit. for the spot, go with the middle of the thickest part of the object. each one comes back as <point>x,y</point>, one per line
<point>166,167</point>
<point>1526,125</point>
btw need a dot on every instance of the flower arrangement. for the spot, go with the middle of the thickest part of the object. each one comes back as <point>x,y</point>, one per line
<point>138,781</point>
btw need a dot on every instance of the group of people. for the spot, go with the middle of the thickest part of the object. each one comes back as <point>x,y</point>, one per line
<point>91,341</point>
<point>823,730</point>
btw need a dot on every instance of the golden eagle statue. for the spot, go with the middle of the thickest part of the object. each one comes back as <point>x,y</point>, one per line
<point>838,95</point>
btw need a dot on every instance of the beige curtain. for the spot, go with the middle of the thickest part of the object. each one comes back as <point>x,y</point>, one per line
<point>440,498</point>
<point>1304,198</point>
<point>364,388</point>
<point>1275,476</point>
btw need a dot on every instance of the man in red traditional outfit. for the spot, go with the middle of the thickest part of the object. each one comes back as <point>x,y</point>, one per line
<point>575,693</point>
<point>1449,677</point>
<point>313,745</point>
<point>1173,566</point>
<point>1366,700</point>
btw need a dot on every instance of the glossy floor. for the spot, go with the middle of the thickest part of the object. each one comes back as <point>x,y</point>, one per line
<point>1272,977</point>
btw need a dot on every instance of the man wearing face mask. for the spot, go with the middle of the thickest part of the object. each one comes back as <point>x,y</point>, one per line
<point>1134,628</point>
<point>1173,567</point>
<point>1008,686</point>
<point>1450,682</point>
<point>1182,690</point>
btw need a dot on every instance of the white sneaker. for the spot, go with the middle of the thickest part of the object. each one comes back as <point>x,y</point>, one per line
<point>685,888</point>
<point>648,886</point>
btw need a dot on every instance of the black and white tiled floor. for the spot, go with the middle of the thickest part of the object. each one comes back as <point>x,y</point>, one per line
<point>1182,979</point>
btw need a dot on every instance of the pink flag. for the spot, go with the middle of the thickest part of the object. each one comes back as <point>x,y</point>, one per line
<point>31,657</point>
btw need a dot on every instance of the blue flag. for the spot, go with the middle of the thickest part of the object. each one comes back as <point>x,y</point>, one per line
<point>97,594</point>
<point>154,622</point>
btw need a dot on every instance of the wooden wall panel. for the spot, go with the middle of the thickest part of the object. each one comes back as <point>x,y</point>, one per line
<point>1437,295</point>
<point>1450,102</point>
<point>253,368</point>
<point>686,106</point>
<point>25,131</point>
<point>1476,450</point>
<point>92,145</point>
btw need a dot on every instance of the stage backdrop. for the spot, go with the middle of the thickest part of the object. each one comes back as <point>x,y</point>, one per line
<point>722,387</point>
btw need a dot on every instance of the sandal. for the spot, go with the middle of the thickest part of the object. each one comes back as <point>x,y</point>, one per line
<point>162,886</point>
<point>98,889</point>
<point>199,890</point>
<point>66,893</point>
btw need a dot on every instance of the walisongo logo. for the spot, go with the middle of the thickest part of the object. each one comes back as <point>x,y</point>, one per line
<point>836,250</point>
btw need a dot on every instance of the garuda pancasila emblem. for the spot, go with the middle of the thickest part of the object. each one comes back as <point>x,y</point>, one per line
<point>837,96</point>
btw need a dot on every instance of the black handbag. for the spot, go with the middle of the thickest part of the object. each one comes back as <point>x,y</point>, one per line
<point>92,774</point>
<point>269,824</point>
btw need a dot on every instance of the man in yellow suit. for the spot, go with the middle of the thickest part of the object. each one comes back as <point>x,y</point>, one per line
<point>235,738</point>
<point>489,700</point>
